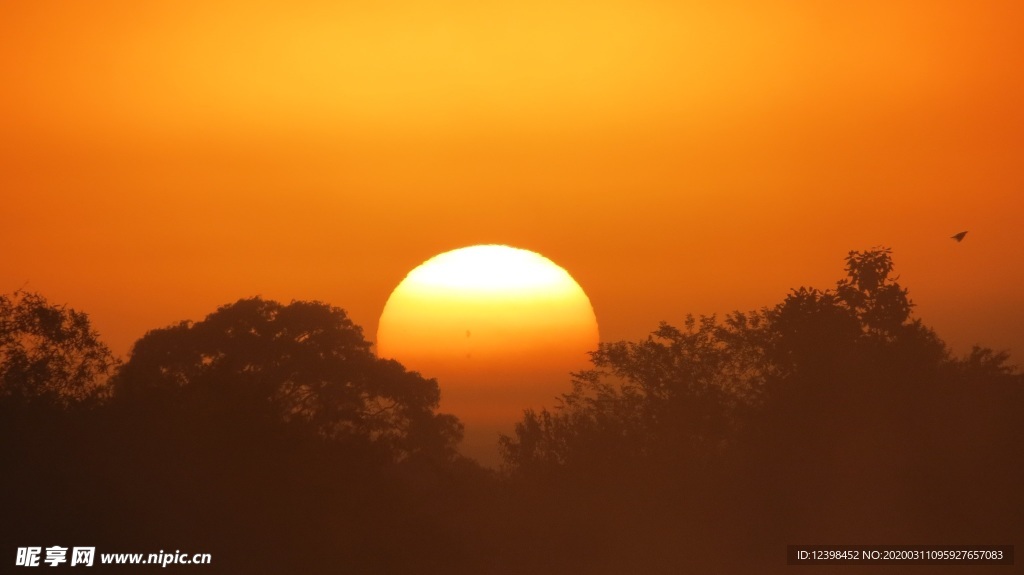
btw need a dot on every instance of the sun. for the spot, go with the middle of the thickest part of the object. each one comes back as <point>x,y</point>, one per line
<point>501,329</point>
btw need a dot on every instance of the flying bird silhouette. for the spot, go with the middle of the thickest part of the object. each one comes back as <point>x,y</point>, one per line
<point>959,237</point>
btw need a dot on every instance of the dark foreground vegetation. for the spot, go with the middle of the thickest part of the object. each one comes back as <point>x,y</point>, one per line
<point>271,437</point>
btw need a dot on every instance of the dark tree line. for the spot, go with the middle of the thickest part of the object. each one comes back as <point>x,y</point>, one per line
<point>271,436</point>
<point>834,416</point>
<point>268,435</point>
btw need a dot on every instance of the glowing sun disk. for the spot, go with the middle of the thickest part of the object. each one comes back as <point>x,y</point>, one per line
<point>500,328</point>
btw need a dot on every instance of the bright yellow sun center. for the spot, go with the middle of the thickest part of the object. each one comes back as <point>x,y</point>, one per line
<point>500,328</point>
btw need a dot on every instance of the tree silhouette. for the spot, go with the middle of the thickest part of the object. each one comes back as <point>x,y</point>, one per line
<point>834,415</point>
<point>684,392</point>
<point>50,352</point>
<point>304,363</point>
<point>263,426</point>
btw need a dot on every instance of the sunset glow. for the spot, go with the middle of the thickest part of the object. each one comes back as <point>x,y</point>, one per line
<point>650,147</point>
<point>500,328</point>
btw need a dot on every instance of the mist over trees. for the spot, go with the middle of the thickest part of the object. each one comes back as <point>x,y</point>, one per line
<point>272,437</point>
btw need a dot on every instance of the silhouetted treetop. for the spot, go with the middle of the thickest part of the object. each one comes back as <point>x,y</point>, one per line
<point>50,352</point>
<point>304,363</point>
<point>868,290</point>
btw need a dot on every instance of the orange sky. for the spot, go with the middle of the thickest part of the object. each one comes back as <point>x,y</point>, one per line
<point>159,159</point>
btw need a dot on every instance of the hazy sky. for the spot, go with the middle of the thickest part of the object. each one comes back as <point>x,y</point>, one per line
<point>159,159</point>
